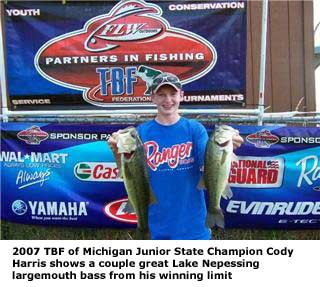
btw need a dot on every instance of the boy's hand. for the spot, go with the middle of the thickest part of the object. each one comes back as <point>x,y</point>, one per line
<point>237,141</point>
<point>112,142</point>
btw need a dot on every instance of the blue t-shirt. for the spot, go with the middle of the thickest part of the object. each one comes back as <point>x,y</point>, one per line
<point>175,155</point>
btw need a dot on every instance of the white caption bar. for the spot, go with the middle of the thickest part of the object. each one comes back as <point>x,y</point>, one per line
<point>173,263</point>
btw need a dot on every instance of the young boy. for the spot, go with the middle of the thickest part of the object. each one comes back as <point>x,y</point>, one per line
<point>175,148</point>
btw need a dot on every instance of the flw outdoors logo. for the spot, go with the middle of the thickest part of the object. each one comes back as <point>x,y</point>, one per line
<point>115,56</point>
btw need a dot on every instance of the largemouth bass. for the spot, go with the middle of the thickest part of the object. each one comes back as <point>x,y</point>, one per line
<point>218,157</point>
<point>135,176</point>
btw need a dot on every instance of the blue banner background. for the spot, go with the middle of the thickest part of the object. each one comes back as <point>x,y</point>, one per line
<point>292,197</point>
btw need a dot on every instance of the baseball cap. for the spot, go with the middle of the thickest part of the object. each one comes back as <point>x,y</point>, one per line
<point>165,79</point>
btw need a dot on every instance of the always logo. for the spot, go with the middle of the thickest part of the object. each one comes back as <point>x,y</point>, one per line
<point>96,171</point>
<point>33,135</point>
<point>104,59</point>
<point>115,210</point>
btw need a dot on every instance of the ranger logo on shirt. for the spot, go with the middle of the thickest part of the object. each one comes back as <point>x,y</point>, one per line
<point>170,155</point>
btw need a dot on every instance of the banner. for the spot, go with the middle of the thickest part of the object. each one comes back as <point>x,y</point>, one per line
<point>65,174</point>
<point>93,54</point>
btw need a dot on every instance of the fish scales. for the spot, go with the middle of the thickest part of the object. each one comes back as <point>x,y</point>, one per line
<point>218,157</point>
<point>212,171</point>
<point>135,175</point>
<point>137,187</point>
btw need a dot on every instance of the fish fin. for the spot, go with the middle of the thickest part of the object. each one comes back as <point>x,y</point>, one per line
<point>152,198</point>
<point>227,193</point>
<point>129,208</point>
<point>215,218</point>
<point>224,157</point>
<point>201,184</point>
<point>141,234</point>
<point>127,173</point>
<point>234,157</point>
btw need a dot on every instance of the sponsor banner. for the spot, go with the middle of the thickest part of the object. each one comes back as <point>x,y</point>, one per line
<point>110,54</point>
<point>58,174</point>
<point>65,174</point>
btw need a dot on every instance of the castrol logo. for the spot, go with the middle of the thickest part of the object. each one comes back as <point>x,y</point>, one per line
<point>96,171</point>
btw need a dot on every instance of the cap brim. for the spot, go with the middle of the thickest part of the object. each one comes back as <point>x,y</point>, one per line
<point>166,84</point>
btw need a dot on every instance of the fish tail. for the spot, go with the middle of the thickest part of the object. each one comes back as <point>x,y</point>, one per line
<point>141,234</point>
<point>215,218</point>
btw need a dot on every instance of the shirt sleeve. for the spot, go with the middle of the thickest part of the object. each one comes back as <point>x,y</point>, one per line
<point>200,139</point>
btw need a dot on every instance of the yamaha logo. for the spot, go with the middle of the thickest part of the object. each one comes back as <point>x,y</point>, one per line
<point>19,207</point>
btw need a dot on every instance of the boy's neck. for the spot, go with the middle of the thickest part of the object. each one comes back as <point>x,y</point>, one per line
<point>167,120</point>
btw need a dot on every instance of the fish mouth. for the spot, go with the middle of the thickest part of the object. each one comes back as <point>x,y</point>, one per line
<point>128,155</point>
<point>224,144</point>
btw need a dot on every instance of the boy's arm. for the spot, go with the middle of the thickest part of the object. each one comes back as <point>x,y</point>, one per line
<point>200,137</point>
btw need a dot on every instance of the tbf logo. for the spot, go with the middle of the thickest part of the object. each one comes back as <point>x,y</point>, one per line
<point>120,80</point>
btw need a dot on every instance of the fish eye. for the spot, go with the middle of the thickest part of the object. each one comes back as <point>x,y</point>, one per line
<point>93,40</point>
<point>133,133</point>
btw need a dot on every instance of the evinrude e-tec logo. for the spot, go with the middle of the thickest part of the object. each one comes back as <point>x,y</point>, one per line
<point>115,56</point>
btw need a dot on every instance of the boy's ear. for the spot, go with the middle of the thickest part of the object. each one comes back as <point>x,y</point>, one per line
<point>152,97</point>
<point>181,94</point>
